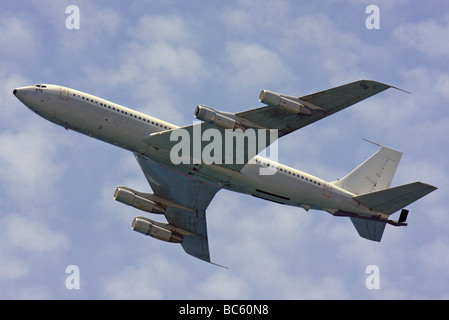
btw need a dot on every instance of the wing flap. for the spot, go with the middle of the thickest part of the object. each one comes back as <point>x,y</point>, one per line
<point>196,244</point>
<point>187,191</point>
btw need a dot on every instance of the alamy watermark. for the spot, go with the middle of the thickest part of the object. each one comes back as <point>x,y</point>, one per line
<point>225,146</point>
<point>373,280</point>
<point>73,280</point>
<point>73,20</point>
<point>373,20</point>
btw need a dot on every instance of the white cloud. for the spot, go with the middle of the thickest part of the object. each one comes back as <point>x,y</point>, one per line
<point>16,37</point>
<point>96,24</point>
<point>167,62</point>
<point>27,244</point>
<point>8,81</point>
<point>224,285</point>
<point>25,233</point>
<point>12,267</point>
<point>157,59</point>
<point>250,66</point>
<point>431,261</point>
<point>165,28</point>
<point>429,37</point>
<point>28,163</point>
<point>149,280</point>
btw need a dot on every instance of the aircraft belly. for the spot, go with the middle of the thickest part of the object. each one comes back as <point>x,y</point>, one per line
<point>277,188</point>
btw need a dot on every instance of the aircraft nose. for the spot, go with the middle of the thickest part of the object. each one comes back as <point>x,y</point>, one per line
<point>14,91</point>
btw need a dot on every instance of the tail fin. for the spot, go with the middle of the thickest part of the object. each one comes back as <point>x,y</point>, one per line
<point>370,182</point>
<point>369,229</point>
<point>374,174</point>
<point>388,201</point>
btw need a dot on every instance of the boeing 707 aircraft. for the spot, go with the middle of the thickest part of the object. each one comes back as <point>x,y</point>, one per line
<point>186,166</point>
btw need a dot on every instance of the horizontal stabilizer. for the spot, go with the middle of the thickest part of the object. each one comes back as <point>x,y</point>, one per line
<point>391,200</point>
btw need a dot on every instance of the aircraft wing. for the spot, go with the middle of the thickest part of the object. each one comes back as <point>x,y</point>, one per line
<point>328,102</point>
<point>191,196</point>
<point>317,105</point>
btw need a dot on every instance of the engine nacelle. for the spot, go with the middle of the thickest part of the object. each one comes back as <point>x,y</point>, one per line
<point>289,104</point>
<point>214,117</point>
<point>150,228</point>
<point>134,199</point>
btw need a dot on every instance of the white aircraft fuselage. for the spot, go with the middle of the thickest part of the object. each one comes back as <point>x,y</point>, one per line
<point>126,128</point>
<point>184,189</point>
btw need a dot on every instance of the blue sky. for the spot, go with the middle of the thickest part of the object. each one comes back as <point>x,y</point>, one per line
<point>164,58</point>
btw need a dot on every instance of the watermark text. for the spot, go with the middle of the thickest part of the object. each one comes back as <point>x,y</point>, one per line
<point>373,280</point>
<point>73,280</point>
<point>73,20</point>
<point>373,20</point>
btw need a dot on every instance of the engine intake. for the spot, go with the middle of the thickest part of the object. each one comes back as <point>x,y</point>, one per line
<point>154,229</point>
<point>286,103</point>
<point>215,117</point>
<point>137,200</point>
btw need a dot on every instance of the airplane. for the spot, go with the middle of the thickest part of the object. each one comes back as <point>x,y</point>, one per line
<point>183,191</point>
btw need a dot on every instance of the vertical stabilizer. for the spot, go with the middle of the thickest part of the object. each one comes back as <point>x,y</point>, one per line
<point>374,174</point>
<point>369,229</point>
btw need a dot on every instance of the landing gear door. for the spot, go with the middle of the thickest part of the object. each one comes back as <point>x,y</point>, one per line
<point>63,93</point>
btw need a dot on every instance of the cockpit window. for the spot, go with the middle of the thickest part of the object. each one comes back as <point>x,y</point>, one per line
<point>41,86</point>
<point>38,85</point>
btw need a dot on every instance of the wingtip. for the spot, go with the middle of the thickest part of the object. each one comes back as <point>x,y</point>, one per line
<point>219,265</point>
<point>400,89</point>
<point>384,84</point>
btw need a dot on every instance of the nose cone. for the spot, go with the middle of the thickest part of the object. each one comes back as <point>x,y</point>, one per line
<point>22,94</point>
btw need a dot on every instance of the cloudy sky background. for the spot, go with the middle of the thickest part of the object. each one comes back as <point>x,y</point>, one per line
<point>164,58</point>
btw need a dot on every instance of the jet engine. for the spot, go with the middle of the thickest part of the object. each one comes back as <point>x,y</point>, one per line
<point>287,103</point>
<point>137,200</point>
<point>215,117</point>
<point>155,229</point>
